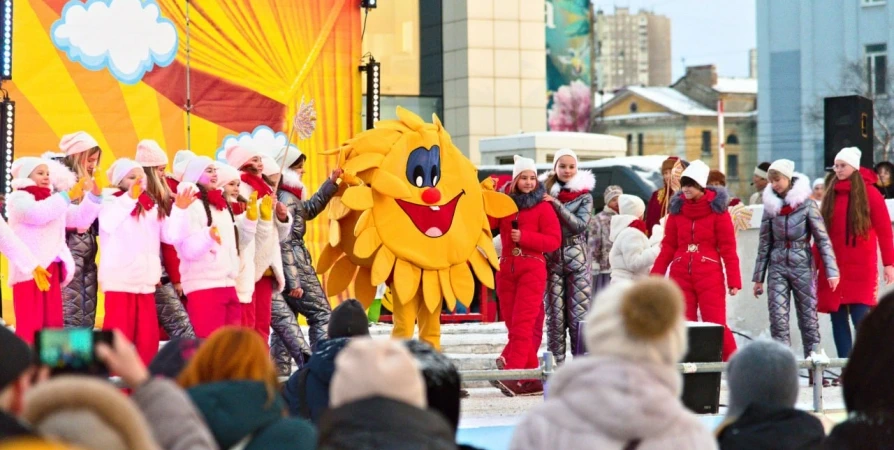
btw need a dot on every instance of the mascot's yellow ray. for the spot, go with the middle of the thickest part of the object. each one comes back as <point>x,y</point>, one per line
<point>411,213</point>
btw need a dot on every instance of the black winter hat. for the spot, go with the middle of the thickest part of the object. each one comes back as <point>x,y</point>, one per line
<point>173,357</point>
<point>348,320</point>
<point>15,357</point>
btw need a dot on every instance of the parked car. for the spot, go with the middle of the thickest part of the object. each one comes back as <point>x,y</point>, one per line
<point>637,175</point>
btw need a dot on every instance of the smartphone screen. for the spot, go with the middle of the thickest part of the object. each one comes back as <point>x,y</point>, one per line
<point>70,350</point>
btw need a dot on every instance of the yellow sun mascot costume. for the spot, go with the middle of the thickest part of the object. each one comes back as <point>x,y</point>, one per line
<point>411,213</point>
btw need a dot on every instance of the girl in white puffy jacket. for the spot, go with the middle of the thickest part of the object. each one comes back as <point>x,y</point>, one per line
<point>633,253</point>
<point>131,231</point>
<point>38,217</point>
<point>266,254</point>
<point>209,251</point>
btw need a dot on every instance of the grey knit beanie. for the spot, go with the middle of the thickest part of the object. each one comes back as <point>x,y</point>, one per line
<point>763,371</point>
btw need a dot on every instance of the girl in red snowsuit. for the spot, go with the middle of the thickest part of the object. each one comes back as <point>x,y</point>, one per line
<point>698,235</point>
<point>521,281</point>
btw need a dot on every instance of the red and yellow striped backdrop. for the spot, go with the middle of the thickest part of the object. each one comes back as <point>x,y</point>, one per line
<point>251,62</point>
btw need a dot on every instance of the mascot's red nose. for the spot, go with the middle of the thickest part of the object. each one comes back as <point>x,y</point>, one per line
<point>431,195</point>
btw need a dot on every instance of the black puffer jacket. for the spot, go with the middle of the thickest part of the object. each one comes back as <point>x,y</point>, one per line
<point>772,427</point>
<point>873,431</point>
<point>381,423</point>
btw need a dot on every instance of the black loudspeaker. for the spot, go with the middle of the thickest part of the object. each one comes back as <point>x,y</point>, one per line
<point>848,123</point>
<point>701,391</point>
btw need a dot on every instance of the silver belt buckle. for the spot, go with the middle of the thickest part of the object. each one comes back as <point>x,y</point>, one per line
<point>692,248</point>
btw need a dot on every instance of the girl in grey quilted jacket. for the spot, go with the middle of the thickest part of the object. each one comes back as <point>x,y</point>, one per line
<point>568,285</point>
<point>790,219</point>
<point>599,238</point>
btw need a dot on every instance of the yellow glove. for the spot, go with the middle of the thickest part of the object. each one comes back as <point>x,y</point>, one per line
<point>215,234</point>
<point>267,208</point>
<point>136,190</point>
<point>251,210</point>
<point>77,191</point>
<point>41,278</point>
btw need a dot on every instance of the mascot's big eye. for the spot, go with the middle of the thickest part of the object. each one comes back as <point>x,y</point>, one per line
<point>424,167</point>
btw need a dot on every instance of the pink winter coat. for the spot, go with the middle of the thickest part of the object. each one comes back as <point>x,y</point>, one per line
<point>597,402</point>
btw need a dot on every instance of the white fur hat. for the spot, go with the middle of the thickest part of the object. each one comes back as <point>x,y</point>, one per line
<point>640,321</point>
<point>631,205</point>
<point>237,155</point>
<point>698,172</point>
<point>150,154</point>
<point>291,155</point>
<point>78,142</point>
<point>851,156</point>
<point>819,182</point>
<point>22,167</point>
<point>226,173</point>
<point>564,152</point>
<point>270,165</point>
<point>522,164</point>
<point>180,160</point>
<point>783,166</point>
<point>120,168</point>
<point>194,168</point>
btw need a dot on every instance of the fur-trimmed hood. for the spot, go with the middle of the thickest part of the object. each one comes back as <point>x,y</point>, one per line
<point>796,196</point>
<point>531,199</point>
<point>719,204</point>
<point>584,181</point>
<point>620,223</point>
<point>87,412</point>
<point>292,180</point>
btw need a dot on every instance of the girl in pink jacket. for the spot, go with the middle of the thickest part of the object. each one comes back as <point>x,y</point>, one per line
<point>38,217</point>
<point>131,232</point>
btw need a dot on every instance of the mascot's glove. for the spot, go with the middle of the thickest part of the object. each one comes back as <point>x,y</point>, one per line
<point>77,191</point>
<point>267,208</point>
<point>251,210</point>
<point>136,190</point>
<point>41,278</point>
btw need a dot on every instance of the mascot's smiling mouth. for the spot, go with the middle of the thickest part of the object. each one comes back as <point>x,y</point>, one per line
<point>431,220</point>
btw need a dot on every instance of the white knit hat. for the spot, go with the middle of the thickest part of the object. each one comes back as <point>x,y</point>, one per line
<point>698,172</point>
<point>564,152</point>
<point>22,167</point>
<point>237,155</point>
<point>150,154</point>
<point>785,167</point>
<point>522,164</point>
<point>368,368</point>
<point>180,160</point>
<point>640,321</point>
<point>291,155</point>
<point>195,167</point>
<point>270,166</point>
<point>631,205</point>
<point>120,168</point>
<point>611,192</point>
<point>819,182</point>
<point>226,173</point>
<point>851,156</point>
<point>79,142</point>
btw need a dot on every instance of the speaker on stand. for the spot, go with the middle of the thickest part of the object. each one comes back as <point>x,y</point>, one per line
<point>701,391</point>
<point>847,122</point>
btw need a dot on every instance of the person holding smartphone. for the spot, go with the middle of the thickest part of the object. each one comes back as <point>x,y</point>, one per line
<point>521,281</point>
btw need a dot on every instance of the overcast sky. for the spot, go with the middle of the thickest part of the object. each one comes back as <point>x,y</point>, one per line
<point>716,32</point>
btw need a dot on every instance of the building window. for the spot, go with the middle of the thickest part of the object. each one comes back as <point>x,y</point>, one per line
<point>732,140</point>
<point>502,160</point>
<point>633,107</point>
<point>732,166</point>
<point>706,143</point>
<point>876,68</point>
<point>873,2</point>
<point>639,144</point>
<point>629,145</point>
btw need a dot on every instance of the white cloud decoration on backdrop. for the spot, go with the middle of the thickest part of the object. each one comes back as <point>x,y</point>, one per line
<point>127,37</point>
<point>262,139</point>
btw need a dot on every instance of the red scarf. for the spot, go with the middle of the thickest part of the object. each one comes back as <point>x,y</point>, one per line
<point>215,199</point>
<point>639,225</point>
<point>257,184</point>
<point>144,200</point>
<point>786,210</point>
<point>39,193</point>
<point>237,207</point>
<point>296,191</point>
<point>566,196</point>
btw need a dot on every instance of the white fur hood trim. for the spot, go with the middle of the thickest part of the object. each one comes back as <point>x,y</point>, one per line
<point>292,180</point>
<point>583,181</point>
<point>20,183</point>
<point>61,177</point>
<point>797,195</point>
